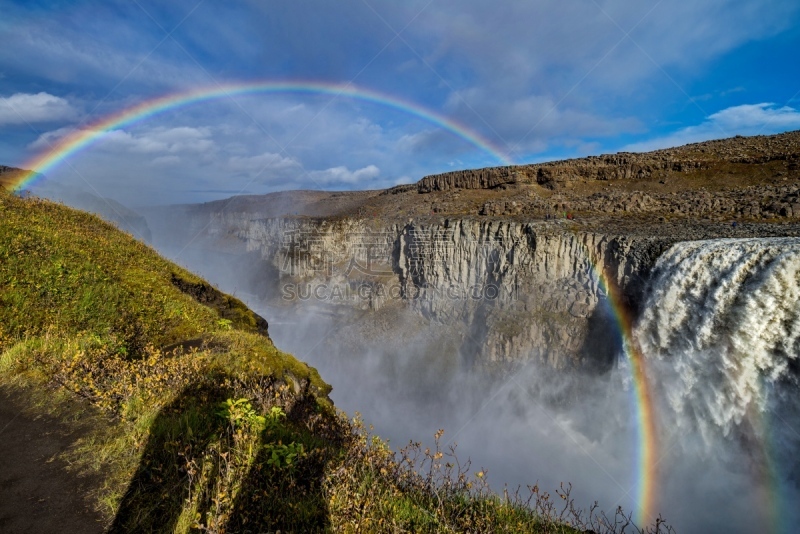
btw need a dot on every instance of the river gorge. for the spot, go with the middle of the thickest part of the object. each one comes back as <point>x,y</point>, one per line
<point>549,352</point>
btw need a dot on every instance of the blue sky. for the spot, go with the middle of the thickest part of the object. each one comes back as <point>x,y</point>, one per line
<point>539,80</point>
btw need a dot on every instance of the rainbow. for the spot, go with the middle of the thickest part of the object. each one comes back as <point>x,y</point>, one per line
<point>777,507</point>
<point>772,502</point>
<point>646,428</point>
<point>646,463</point>
<point>85,136</point>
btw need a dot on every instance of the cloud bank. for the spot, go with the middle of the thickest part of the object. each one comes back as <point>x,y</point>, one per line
<point>22,108</point>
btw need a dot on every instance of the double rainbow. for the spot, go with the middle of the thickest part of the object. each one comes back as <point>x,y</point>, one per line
<point>85,136</point>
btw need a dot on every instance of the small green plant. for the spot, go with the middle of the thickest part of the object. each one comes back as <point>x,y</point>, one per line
<point>281,456</point>
<point>225,324</point>
<point>274,417</point>
<point>241,414</point>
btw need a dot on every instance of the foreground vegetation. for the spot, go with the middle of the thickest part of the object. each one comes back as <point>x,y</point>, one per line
<point>196,421</point>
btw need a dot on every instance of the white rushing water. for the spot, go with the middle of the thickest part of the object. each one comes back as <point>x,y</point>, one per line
<point>724,317</point>
<point>720,330</point>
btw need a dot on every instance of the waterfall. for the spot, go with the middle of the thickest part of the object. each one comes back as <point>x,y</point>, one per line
<point>722,322</point>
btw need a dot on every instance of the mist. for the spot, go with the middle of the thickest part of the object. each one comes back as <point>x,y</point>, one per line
<point>539,426</point>
<point>535,425</point>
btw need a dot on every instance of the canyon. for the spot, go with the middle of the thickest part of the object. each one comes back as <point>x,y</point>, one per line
<point>530,260</point>
<point>505,304</point>
<point>511,305</point>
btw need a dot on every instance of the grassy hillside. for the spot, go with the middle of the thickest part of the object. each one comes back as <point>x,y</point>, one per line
<point>197,421</point>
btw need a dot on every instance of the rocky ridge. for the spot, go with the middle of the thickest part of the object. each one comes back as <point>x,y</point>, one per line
<point>691,158</point>
<point>745,178</point>
<point>751,202</point>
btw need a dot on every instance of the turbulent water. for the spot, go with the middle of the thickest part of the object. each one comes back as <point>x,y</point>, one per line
<point>725,316</point>
<point>721,332</point>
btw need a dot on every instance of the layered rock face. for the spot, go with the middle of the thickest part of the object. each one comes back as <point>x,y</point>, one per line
<point>709,155</point>
<point>557,173</point>
<point>751,203</point>
<point>471,179</point>
<point>516,291</point>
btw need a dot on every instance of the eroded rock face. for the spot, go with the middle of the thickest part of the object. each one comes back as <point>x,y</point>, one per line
<point>749,203</point>
<point>470,179</point>
<point>518,290</point>
<point>753,151</point>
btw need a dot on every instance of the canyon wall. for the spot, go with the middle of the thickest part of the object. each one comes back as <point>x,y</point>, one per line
<point>515,291</point>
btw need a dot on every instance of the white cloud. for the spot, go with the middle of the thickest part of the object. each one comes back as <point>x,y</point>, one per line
<point>180,139</point>
<point>760,116</point>
<point>177,140</point>
<point>23,108</point>
<point>746,119</point>
<point>268,161</point>
<point>416,141</point>
<point>343,176</point>
<point>48,139</point>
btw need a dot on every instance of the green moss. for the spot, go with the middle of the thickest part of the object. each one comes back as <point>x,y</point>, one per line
<point>67,273</point>
<point>152,361</point>
<point>98,315</point>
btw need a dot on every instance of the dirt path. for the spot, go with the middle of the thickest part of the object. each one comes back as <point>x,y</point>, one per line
<point>37,494</point>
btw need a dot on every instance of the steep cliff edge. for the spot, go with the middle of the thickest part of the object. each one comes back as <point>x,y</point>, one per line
<point>520,290</point>
<point>515,291</point>
<point>509,259</point>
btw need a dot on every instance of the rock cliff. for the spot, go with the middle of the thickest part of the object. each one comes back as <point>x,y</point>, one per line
<point>515,291</point>
<point>693,158</point>
<point>517,262</point>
